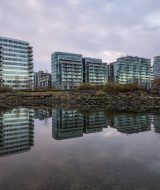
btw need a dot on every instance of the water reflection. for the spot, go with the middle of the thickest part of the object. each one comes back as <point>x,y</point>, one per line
<point>73,123</point>
<point>42,114</point>
<point>66,124</point>
<point>130,122</point>
<point>16,131</point>
<point>17,125</point>
<point>79,163</point>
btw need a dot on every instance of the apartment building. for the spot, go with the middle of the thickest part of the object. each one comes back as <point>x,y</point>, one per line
<point>131,69</point>
<point>67,70</point>
<point>16,64</point>
<point>156,67</point>
<point>42,79</point>
<point>94,71</point>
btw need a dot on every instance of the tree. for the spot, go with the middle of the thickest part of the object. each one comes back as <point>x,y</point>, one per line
<point>156,84</point>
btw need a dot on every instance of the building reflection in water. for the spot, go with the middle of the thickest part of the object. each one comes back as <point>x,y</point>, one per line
<point>156,123</point>
<point>93,123</point>
<point>66,124</point>
<point>42,114</point>
<point>71,123</point>
<point>130,123</point>
<point>16,131</point>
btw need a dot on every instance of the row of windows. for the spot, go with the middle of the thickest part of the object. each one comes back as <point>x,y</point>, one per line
<point>14,59</point>
<point>15,68</point>
<point>25,63</point>
<point>16,81</point>
<point>15,50</point>
<point>13,46</point>
<point>14,77</point>
<point>15,55</point>
<point>13,41</point>
<point>15,72</point>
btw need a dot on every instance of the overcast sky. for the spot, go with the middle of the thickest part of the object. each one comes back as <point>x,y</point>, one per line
<point>103,29</point>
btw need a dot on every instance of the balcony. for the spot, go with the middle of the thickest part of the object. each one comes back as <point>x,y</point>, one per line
<point>30,50</point>
<point>30,59</point>
<point>30,67</point>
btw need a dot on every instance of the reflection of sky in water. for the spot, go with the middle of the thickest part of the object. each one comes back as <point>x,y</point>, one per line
<point>98,151</point>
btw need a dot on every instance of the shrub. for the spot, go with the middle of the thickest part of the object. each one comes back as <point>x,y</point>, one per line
<point>156,86</point>
<point>86,86</point>
<point>100,93</point>
<point>116,88</point>
<point>4,89</point>
<point>43,89</point>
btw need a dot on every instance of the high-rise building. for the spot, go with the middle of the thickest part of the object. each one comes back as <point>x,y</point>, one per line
<point>131,70</point>
<point>156,67</point>
<point>42,79</point>
<point>16,131</point>
<point>16,64</point>
<point>94,71</point>
<point>67,70</point>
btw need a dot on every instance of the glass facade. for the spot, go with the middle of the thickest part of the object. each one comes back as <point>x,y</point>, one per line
<point>67,70</point>
<point>16,131</point>
<point>131,70</point>
<point>16,64</point>
<point>156,67</point>
<point>94,71</point>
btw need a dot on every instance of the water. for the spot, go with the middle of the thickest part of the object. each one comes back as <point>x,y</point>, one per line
<point>64,149</point>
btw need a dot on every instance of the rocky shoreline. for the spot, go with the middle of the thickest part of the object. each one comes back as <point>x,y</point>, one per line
<point>121,101</point>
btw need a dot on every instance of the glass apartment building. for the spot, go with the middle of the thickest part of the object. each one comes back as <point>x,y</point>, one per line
<point>67,70</point>
<point>16,131</point>
<point>131,70</point>
<point>16,64</point>
<point>156,67</point>
<point>94,71</point>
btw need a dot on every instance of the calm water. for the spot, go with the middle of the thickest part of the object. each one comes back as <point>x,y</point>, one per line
<point>62,149</point>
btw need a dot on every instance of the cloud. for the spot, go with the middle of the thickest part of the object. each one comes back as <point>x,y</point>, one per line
<point>106,29</point>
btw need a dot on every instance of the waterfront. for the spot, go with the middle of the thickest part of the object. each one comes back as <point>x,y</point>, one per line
<point>79,149</point>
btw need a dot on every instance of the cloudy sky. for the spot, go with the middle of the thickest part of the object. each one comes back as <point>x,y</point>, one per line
<point>104,29</point>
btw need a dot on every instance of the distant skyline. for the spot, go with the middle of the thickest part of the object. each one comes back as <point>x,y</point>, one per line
<point>105,29</point>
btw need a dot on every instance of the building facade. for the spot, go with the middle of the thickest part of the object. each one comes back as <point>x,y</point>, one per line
<point>131,70</point>
<point>156,67</point>
<point>42,79</point>
<point>94,71</point>
<point>67,70</point>
<point>16,64</point>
